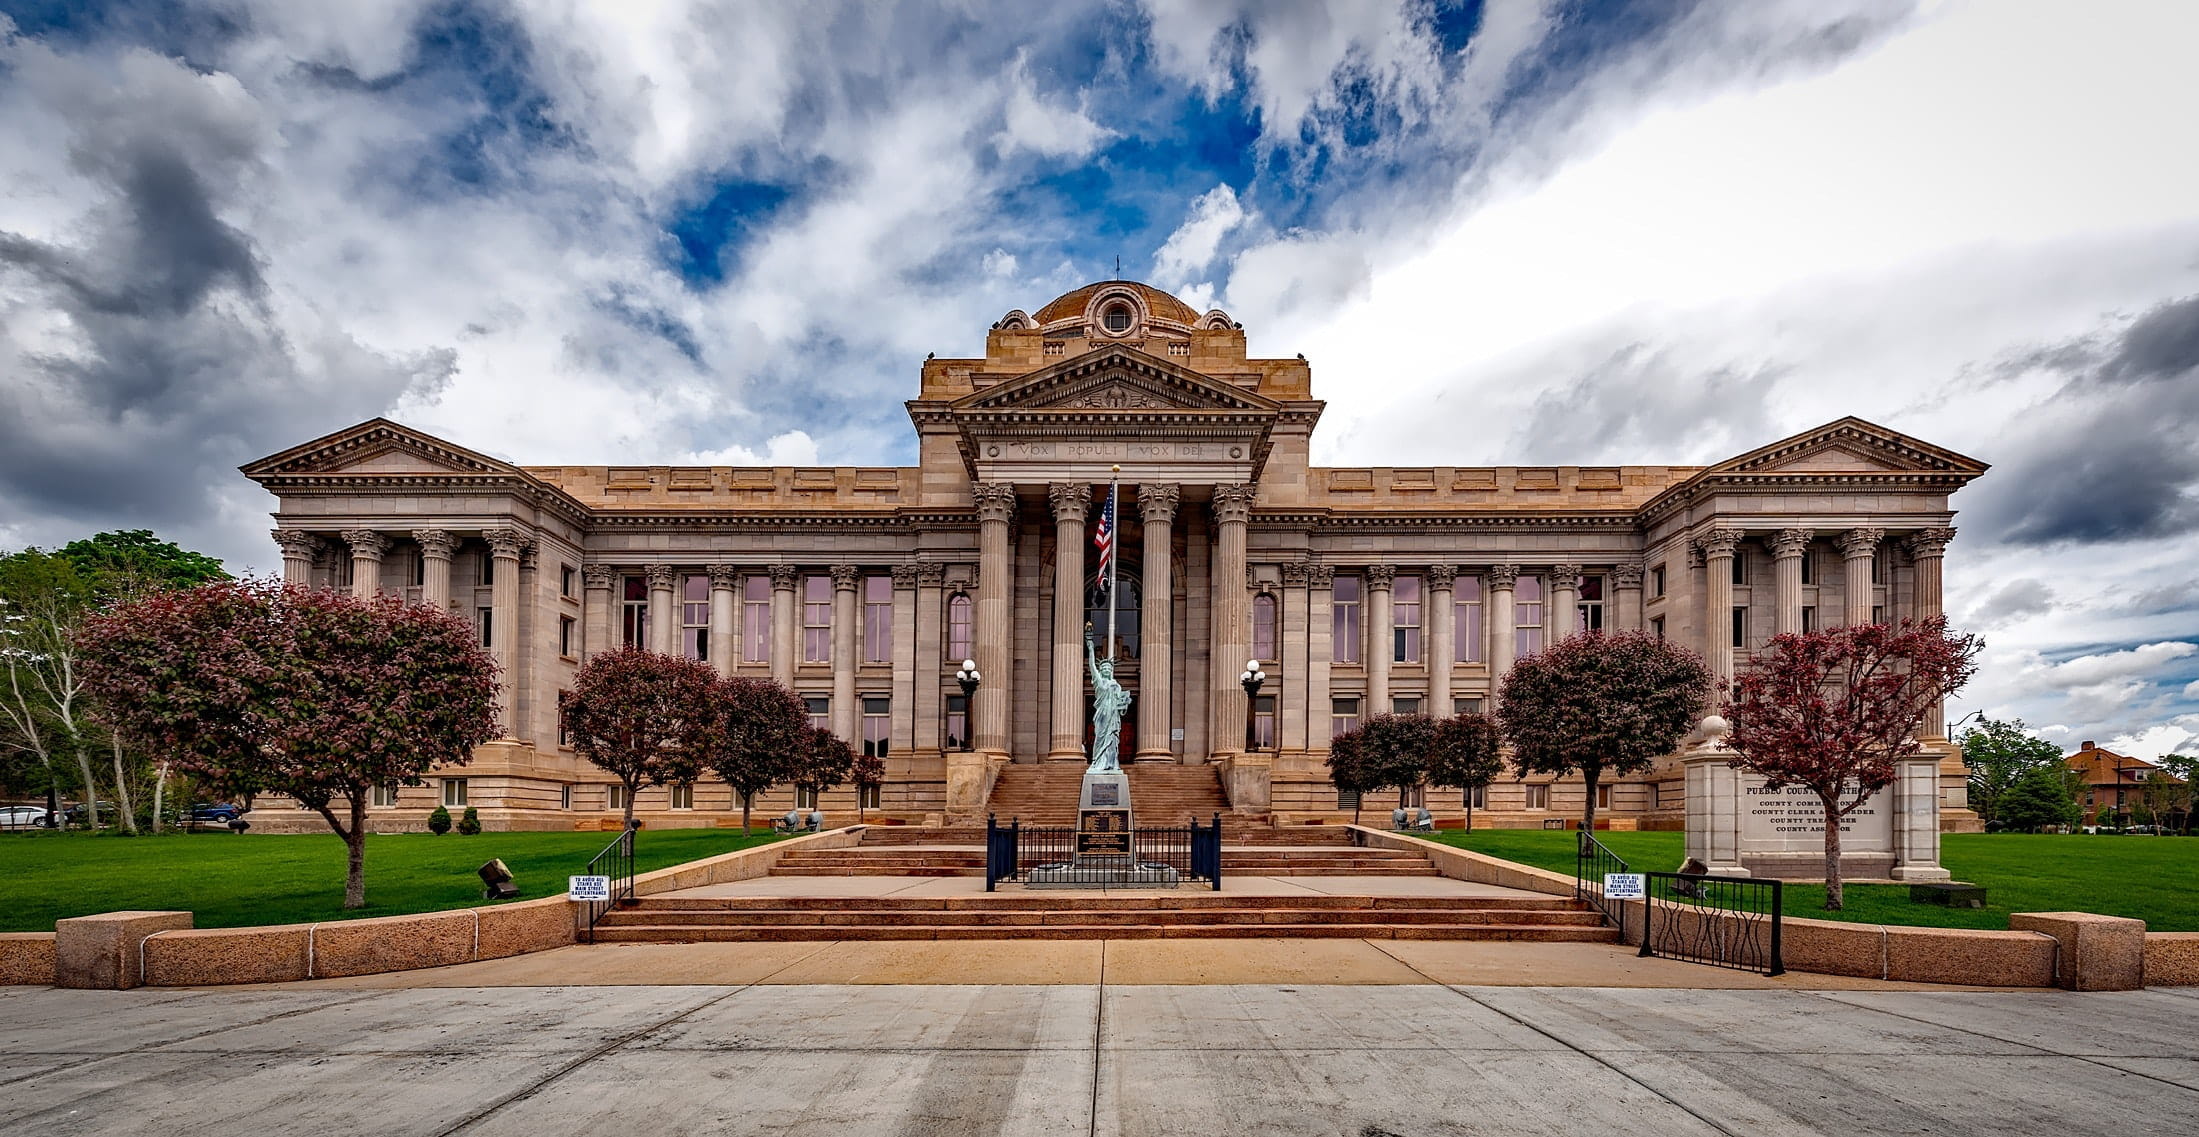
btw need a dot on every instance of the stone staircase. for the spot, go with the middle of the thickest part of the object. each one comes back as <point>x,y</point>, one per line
<point>917,851</point>
<point>1060,916</point>
<point>1045,793</point>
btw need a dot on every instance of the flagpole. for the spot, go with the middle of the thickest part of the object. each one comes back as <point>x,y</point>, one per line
<point>1114,557</point>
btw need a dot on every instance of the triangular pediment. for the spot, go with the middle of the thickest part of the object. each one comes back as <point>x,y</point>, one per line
<point>377,447</point>
<point>1116,379</point>
<point>1851,446</point>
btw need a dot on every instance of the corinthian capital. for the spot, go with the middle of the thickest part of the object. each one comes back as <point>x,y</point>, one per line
<point>1789,543</point>
<point>1320,576</point>
<point>785,576</point>
<point>1718,543</point>
<point>598,576</point>
<point>1566,577</point>
<point>1380,576</point>
<point>663,576</point>
<point>931,574</point>
<point>297,542</point>
<point>725,576</point>
<point>506,542</point>
<point>906,577</point>
<point>1072,501</point>
<point>1296,572</point>
<point>435,544</point>
<point>366,543</point>
<point>1860,544</point>
<point>1441,576</point>
<point>1930,542</point>
<point>1626,574</point>
<point>1157,502</point>
<point>995,501</point>
<point>1501,576</point>
<point>1233,501</point>
<point>844,577</point>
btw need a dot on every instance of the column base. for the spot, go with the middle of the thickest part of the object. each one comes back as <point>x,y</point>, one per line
<point>1065,756</point>
<point>1155,756</point>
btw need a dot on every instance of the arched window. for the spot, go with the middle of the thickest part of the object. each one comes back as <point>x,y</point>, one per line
<point>1116,319</point>
<point>1263,627</point>
<point>958,627</point>
<point>1126,608</point>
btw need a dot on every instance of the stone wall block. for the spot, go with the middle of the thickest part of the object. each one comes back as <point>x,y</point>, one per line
<point>2172,959</point>
<point>1969,955</point>
<point>2098,953</point>
<point>392,943</point>
<point>101,952</point>
<point>26,957</point>
<point>206,956</point>
<point>533,925</point>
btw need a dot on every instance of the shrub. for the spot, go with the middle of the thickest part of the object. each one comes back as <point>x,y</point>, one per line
<point>439,821</point>
<point>469,823</point>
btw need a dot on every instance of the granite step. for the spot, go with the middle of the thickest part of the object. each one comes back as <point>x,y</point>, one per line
<point>660,933</point>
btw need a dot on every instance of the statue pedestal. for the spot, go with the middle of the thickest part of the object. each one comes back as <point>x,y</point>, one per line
<point>1105,854</point>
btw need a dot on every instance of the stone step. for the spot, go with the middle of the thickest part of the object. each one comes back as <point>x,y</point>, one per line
<point>659,933</point>
<point>1043,901</point>
<point>1041,918</point>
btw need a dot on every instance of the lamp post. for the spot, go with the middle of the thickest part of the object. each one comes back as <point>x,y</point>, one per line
<point>969,679</point>
<point>1252,679</point>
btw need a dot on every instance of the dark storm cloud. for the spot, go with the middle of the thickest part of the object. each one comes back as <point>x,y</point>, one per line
<point>1644,403</point>
<point>2112,455</point>
<point>2014,601</point>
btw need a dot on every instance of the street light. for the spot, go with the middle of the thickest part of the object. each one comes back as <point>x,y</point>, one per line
<point>969,679</point>
<point>1252,679</point>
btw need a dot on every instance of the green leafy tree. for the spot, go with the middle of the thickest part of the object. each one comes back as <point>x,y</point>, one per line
<point>1464,756</point>
<point>2164,799</point>
<point>2184,767</point>
<point>643,717</point>
<point>128,560</point>
<point>1601,705</point>
<point>759,738</point>
<point>44,708</point>
<point>2037,799</point>
<point>1999,753</point>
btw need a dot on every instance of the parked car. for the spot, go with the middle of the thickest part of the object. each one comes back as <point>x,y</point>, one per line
<point>75,813</point>
<point>22,817</point>
<point>219,812</point>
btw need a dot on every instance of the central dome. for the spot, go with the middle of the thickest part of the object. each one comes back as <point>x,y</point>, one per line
<point>1069,305</point>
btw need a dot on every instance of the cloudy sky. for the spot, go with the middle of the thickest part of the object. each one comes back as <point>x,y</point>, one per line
<point>681,231</point>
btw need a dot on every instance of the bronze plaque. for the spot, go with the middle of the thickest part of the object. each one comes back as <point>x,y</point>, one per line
<point>1116,842</point>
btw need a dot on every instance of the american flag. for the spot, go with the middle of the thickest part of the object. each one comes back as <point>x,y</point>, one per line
<point>1103,535</point>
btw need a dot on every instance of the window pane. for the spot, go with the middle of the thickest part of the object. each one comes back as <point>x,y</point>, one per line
<point>958,627</point>
<point>817,619</point>
<point>1405,620</point>
<point>1263,627</point>
<point>820,710</point>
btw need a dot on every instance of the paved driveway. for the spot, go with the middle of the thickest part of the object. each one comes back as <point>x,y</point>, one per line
<point>839,1059</point>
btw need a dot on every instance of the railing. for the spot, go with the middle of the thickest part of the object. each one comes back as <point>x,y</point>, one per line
<point>616,861</point>
<point>1591,860</point>
<point>1723,921</point>
<point>1013,850</point>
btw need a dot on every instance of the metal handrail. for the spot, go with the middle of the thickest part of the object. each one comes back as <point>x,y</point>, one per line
<point>1718,920</point>
<point>620,856</point>
<point>1591,861</point>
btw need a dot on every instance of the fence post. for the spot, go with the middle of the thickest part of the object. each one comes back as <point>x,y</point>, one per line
<point>1649,914</point>
<point>1778,912</point>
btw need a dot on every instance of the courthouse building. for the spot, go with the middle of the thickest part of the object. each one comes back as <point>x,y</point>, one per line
<point>1360,589</point>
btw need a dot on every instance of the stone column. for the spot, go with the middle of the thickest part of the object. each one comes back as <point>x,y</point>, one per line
<point>598,583</point>
<point>1717,548</point>
<point>1294,710</point>
<point>1561,615</point>
<point>784,580</point>
<point>505,547</point>
<point>1626,595</point>
<point>1858,547</point>
<point>845,713</point>
<point>367,550</point>
<point>299,548</point>
<point>1156,633</point>
<point>1320,650</point>
<point>901,733</point>
<point>664,599</point>
<point>1788,547</point>
<point>1071,501</point>
<point>931,657</point>
<point>1927,550</point>
<point>529,607</point>
<point>1232,618</point>
<point>1380,638</point>
<point>1441,627</point>
<point>436,547</point>
<point>725,599</point>
<point>1498,582</point>
<point>996,507</point>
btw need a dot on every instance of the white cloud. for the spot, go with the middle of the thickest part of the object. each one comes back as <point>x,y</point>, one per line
<point>794,448</point>
<point>2178,736</point>
<point>1042,128</point>
<point>1191,248</point>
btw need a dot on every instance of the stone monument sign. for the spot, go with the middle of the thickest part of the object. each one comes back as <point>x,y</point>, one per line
<point>1739,826</point>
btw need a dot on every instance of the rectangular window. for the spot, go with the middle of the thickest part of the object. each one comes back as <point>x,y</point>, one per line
<point>1591,604</point>
<point>633,611</point>
<point>454,793</point>
<point>1263,627</point>
<point>1657,626</point>
<point>805,797</point>
<point>1405,620</point>
<point>877,724</point>
<point>1740,627</point>
<point>385,796</point>
<point>1466,620</point>
<point>958,627</point>
<point>484,619</point>
<point>756,619</point>
<point>419,569</point>
<point>614,797</point>
<point>1347,799</point>
<point>1413,797</point>
<point>1740,566</point>
<point>565,575</point>
<point>958,722</point>
<point>1538,797</point>
<point>695,617</point>
<point>877,619</point>
<point>564,736</point>
<point>1263,722</point>
<point>1657,581</point>
<point>487,565</point>
<point>820,710</point>
<point>1343,716</point>
<point>1603,797</point>
<point>566,625</point>
<point>565,796</point>
<point>683,797</point>
<point>1809,566</point>
<point>867,796</point>
<point>816,619</point>
<point>1809,617</point>
<point>1526,617</point>
<point>1344,596</point>
<point>1405,705</point>
<point>1478,797</point>
<point>1878,567</point>
<point>1468,705</point>
<point>1878,613</point>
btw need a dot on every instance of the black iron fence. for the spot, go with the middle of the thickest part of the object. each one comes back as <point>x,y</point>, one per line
<point>616,862</point>
<point>1591,860</point>
<point>1013,850</point>
<point>1723,921</point>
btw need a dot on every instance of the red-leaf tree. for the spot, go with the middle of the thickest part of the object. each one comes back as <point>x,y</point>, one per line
<point>761,731</point>
<point>316,694</point>
<point>1463,756</point>
<point>1835,711</point>
<point>1601,704</point>
<point>826,762</point>
<point>868,772</point>
<point>1384,751</point>
<point>643,717</point>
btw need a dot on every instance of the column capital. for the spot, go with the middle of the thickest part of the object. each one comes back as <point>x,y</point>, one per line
<point>1791,543</point>
<point>785,576</point>
<point>1501,577</point>
<point>1233,501</point>
<point>1564,576</point>
<point>1157,502</point>
<point>1626,574</point>
<point>436,543</point>
<point>1320,576</point>
<point>1379,576</point>
<point>931,574</point>
<point>1442,576</point>
<point>844,577</point>
<point>662,576</point>
<point>906,576</point>
<point>598,576</point>
<point>1072,501</point>
<point>1858,544</point>
<point>725,576</point>
<point>1932,542</point>
<point>506,543</point>
<point>995,501</point>
<point>1718,543</point>
<point>366,543</point>
<point>1296,573</point>
<point>296,542</point>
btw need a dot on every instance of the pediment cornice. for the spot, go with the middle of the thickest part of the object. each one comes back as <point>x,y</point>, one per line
<point>1114,378</point>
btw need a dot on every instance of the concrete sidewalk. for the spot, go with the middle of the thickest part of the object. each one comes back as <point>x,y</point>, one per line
<point>1119,1060</point>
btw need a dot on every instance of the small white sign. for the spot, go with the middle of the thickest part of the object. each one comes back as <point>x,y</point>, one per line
<point>597,888</point>
<point>1616,886</point>
<point>1175,734</point>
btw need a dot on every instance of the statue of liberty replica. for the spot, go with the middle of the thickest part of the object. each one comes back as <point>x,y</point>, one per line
<point>1109,701</point>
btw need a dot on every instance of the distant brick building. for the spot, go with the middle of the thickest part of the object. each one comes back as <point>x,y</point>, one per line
<point>2110,779</point>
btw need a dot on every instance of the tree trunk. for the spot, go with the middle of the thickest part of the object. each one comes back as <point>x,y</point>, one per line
<point>91,788</point>
<point>123,805</point>
<point>746,801</point>
<point>631,788</point>
<point>355,884</point>
<point>1835,899</point>
<point>1588,811</point>
<point>160,795</point>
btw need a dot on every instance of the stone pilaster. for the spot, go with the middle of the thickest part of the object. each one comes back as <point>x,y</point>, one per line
<point>784,651</point>
<point>436,547</point>
<point>1928,549</point>
<point>1381,638</point>
<point>996,507</point>
<point>1292,707</point>
<point>1441,628</point>
<point>664,599</point>
<point>1717,547</point>
<point>1561,613</point>
<point>299,550</point>
<point>505,548</point>
<point>725,599</point>
<point>1320,649</point>
<point>1626,596</point>
<point>901,736</point>
<point>931,662</point>
<point>367,550</point>
<point>1858,548</point>
<point>1788,547</point>
<point>846,713</point>
<point>599,603</point>
<point>1501,582</point>
<point>1157,503</point>
<point>1231,606</point>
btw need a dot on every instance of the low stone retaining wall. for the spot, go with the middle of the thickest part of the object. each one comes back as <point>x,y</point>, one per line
<point>161,949</point>
<point>2079,951</point>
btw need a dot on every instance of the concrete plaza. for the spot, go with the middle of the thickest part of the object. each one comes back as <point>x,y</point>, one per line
<point>748,1054</point>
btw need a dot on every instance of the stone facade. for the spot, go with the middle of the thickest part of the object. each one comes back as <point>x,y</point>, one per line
<point>863,588</point>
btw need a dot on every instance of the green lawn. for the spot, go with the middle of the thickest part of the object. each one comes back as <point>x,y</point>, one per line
<point>230,881</point>
<point>2155,879</point>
